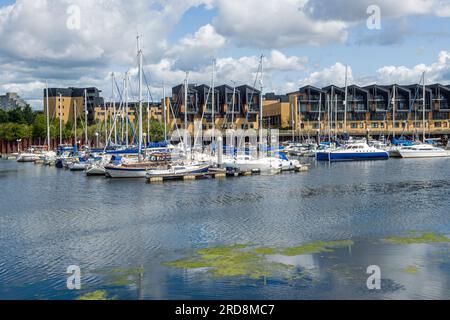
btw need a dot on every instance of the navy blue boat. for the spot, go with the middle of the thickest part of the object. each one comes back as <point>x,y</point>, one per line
<point>352,152</point>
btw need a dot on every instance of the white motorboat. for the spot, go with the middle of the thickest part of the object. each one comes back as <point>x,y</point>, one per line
<point>173,172</point>
<point>95,169</point>
<point>27,157</point>
<point>246,163</point>
<point>423,151</point>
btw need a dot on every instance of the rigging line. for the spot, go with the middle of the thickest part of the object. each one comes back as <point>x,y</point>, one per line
<point>203,114</point>
<point>252,96</point>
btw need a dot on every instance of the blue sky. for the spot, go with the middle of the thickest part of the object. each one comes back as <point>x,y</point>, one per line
<point>304,42</point>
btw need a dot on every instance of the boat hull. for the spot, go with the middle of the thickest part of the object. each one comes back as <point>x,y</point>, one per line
<point>175,174</point>
<point>410,154</point>
<point>125,173</point>
<point>95,171</point>
<point>351,156</point>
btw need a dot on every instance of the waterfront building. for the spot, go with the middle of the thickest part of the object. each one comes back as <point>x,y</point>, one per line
<point>11,101</point>
<point>277,112</point>
<point>234,107</point>
<point>62,102</point>
<point>373,109</point>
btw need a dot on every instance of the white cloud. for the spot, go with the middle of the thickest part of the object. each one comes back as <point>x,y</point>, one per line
<point>349,10</point>
<point>275,24</point>
<point>192,51</point>
<point>327,76</point>
<point>436,72</point>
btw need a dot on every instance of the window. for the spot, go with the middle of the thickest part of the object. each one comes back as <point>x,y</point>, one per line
<point>361,125</point>
<point>437,124</point>
<point>374,125</point>
<point>354,126</point>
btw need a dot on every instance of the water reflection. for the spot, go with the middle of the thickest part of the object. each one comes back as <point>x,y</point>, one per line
<point>51,219</point>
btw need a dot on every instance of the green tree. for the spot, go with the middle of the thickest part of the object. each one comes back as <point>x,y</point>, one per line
<point>16,116</point>
<point>39,126</point>
<point>28,114</point>
<point>4,118</point>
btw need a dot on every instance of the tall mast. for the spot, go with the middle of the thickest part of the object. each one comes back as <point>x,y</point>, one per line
<point>185,110</point>
<point>165,112</point>
<point>126,110</point>
<point>113,98</point>
<point>140,100</point>
<point>336,115</point>
<point>48,117</point>
<point>346,98</point>
<point>424,105</point>
<point>106,123</point>
<point>213,101</point>
<point>320,118</point>
<point>261,108</point>
<point>75,121</point>
<point>148,116</point>
<point>394,105</point>
<point>233,105</point>
<point>86,113</point>
<point>60,120</point>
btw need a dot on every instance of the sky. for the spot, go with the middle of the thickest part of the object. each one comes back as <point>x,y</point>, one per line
<point>80,43</point>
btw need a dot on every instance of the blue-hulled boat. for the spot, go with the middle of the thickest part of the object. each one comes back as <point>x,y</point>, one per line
<point>352,152</point>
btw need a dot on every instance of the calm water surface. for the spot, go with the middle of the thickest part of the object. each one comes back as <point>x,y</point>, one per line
<point>51,219</point>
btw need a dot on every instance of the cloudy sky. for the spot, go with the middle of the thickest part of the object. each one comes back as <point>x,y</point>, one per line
<point>80,42</point>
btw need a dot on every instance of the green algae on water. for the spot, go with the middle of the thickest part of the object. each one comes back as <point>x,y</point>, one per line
<point>266,251</point>
<point>232,261</point>
<point>99,295</point>
<point>122,277</point>
<point>316,247</point>
<point>419,239</point>
<point>245,261</point>
<point>411,270</point>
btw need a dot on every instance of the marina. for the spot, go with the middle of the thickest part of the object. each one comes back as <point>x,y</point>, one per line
<point>125,234</point>
<point>224,159</point>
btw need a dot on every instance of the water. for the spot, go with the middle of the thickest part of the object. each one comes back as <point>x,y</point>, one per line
<point>51,219</point>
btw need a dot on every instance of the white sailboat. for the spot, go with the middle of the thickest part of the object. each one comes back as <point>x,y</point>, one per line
<point>136,169</point>
<point>423,150</point>
<point>245,163</point>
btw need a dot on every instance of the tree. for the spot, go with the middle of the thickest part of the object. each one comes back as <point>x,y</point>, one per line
<point>39,126</point>
<point>4,118</point>
<point>16,116</point>
<point>28,114</point>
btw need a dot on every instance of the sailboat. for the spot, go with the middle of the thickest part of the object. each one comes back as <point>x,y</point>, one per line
<point>245,163</point>
<point>423,150</point>
<point>139,168</point>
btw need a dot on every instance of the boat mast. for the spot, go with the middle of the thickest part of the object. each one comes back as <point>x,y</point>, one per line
<point>148,117</point>
<point>320,118</point>
<point>233,104</point>
<point>394,102</point>
<point>165,112</point>
<point>60,121</point>
<point>106,124</point>
<point>261,108</point>
<point>75,121</point>
<point>185,111</point>
<point>86,113</point>
<point>346,98</point>
<point>212,102</point>
<point>48,117</point>
<point>126,110</point>
<point>140,100</point>
<point>113,97</point>
<point>424,105</point>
